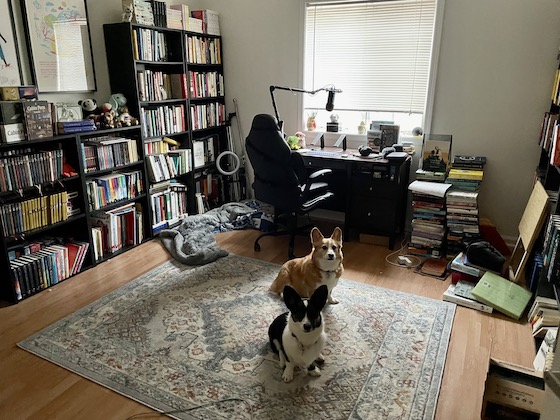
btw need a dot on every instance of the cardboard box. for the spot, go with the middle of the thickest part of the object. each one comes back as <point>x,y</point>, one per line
<point>512,392</point>
<point>11,122</point>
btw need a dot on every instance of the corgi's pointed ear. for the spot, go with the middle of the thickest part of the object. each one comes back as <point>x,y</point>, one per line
<point>291,297</point>
<point>337,234</point>
<point>319,297</point>
<point>316,236</point>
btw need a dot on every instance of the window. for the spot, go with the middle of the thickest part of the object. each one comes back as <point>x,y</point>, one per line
<point>377,52</point>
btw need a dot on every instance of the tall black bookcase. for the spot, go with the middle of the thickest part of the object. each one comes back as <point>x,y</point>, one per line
<point>192,65</point>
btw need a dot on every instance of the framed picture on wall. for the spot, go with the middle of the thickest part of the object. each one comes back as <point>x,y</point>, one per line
<point>59,43</point>
<point>10,69</point>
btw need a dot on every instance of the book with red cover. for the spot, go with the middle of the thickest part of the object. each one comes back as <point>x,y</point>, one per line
<point>73,251</point>
<point>457,276</point>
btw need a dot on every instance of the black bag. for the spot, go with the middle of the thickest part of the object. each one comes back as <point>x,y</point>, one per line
<point>483,254</point>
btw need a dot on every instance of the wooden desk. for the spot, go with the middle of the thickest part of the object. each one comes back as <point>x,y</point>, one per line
<point>372,192</point>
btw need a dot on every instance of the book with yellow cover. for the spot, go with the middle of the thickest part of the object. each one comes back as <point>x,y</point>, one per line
<point>503,295</point>
<point>470,174</point>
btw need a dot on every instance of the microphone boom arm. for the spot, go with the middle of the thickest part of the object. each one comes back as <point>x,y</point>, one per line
<point>298,90</point>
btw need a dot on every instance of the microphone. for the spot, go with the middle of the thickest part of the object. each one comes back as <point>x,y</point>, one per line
<point>330,100</point>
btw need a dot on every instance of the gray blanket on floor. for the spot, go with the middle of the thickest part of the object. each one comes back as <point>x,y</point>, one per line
<point>193,242</point>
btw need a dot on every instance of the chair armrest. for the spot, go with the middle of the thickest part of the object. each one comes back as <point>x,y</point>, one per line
<point>313,177</point>
<point>320,172</point>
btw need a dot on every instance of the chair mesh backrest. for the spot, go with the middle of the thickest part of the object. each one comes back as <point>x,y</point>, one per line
<point>276,181</point>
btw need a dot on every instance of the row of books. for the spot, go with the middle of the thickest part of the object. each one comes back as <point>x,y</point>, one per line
<point>166,166</point>
<point>26,169</point>
<point>108,152</point>
<point>176,16</point>
<point>544,312</point>
<point>159,86</point>
<point>208,115</point>
<point>26,215</point>
<point>204,150</point>
<point>169,204</point>
<point>161,145</point>
<point>149,45</point>
<point>46,266</point>
<point>202,50</point>
<point>210,21</point>
<point>107,189</point>
<point>551,256</point>
<point>206,84</point>
<point>162,120</point>
<point>114,229</point>
<point>179,17</point>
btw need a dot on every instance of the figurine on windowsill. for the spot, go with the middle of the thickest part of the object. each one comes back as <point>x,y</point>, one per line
<point>311,124</point>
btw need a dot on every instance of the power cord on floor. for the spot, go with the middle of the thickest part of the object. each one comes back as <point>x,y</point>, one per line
<point>413,260</point>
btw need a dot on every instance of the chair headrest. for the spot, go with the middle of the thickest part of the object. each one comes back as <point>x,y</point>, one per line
<point>264,122</point>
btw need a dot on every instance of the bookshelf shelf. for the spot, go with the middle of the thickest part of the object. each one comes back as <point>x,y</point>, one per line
<point>121,203</point>
<point>114,169</point>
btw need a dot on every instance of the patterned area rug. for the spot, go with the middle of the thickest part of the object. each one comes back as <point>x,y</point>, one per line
<point>193,342</point>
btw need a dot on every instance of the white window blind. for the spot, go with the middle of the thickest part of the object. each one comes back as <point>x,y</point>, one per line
<point>377,52</point>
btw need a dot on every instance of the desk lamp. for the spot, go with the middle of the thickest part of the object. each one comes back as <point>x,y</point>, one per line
<point>329,106</point>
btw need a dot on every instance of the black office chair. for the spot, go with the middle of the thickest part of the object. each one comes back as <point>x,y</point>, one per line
<point>281,179</point>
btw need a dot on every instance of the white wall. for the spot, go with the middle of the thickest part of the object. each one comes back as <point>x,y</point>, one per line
<point>494,80</point>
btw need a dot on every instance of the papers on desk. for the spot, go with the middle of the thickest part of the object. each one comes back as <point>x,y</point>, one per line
<point>431,188</point>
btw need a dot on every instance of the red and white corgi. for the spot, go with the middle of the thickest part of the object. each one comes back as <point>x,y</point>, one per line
<point>322,266</point>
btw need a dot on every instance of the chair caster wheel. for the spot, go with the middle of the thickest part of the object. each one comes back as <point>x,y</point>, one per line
<point>257,247</point>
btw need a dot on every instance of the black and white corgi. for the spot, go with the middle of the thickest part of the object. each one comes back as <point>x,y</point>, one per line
<point>298,336</point>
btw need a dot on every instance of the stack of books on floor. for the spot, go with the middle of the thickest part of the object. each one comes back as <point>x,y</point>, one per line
<point>464,277</point>
<point>490,292</point>
<point>428,219</point>
<point>462,220</point>
<point>428,225</point>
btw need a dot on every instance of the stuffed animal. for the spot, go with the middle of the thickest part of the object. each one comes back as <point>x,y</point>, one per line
<point>293,142</point>
<point>108,120</point>
<point>118,101</point>
<point>89,108</point>
<point>125,119</point>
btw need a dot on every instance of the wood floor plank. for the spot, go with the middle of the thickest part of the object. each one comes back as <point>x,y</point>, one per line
<point>32,388</point>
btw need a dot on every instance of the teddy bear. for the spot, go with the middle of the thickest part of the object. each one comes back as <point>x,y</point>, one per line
<point>89,108</point>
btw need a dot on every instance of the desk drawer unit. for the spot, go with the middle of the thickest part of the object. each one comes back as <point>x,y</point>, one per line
<point>377,199</point>
<point>379,215</point>
<point>364,185</point>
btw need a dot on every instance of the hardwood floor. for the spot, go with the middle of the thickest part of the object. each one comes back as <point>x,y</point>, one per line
<point>32,388</point>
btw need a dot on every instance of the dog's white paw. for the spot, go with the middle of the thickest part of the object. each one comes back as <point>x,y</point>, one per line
<point>314,372</point>
<point>332,300</point>
<point>288,374</point>
<point>320,359</point>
